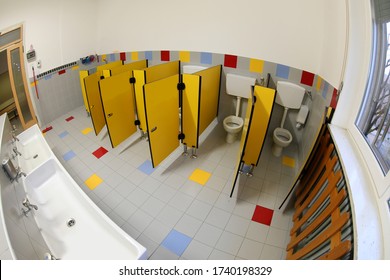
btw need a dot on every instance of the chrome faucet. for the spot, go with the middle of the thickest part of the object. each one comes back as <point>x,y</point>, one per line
<point>19,174</point>
<point>26,203</point>
<point>13,131</point>
<point>17,153</point>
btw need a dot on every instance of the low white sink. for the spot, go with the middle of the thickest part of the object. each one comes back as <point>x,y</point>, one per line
<point>34,149</point>
<point>93,235</point>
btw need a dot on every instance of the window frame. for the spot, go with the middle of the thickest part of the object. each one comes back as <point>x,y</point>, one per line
<point>356,77</point>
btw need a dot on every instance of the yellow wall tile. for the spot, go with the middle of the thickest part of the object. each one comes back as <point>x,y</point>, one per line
<point>256,65</point>
<point>185,56</point>
<point>134,56</point>
<point>319,81</point>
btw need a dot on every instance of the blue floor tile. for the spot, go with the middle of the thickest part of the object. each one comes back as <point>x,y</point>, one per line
<point>146,167</point>
<point>69,155</point>
<point>63,134</point>
<point>176,242</point>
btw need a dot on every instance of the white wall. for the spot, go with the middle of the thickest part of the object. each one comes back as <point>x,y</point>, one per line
<point>61,31</point>
<point>293,33</point>
<point>304,34</point>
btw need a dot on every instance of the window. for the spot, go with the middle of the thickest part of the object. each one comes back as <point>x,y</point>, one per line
<point>374,117</point>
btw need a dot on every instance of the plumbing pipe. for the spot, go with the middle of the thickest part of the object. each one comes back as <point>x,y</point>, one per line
<point>284,117</point>
<point>238,106</point>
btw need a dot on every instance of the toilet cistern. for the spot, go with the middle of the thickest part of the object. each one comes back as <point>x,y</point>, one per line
<point>240,87</point>
<point>289,96</point>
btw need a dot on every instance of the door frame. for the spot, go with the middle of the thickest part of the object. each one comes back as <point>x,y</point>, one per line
<point>33,120</point>
<point>12,45</point>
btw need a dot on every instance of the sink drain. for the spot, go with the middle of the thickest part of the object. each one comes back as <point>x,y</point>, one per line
<point>71,222</point>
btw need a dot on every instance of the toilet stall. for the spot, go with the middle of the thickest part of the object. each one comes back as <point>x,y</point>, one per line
<point>256,123</point>
<point>149,75</point>
<point>118,101</point>
<point>197,96</point>
<point>167,106</point>
<point>91,95</point>
<point>110,99</point>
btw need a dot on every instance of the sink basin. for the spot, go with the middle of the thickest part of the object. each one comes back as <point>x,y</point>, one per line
<point>34,149</point>
<point>71,224</point>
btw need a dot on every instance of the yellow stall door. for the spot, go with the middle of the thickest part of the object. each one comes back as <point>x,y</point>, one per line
<point>162,117</point>
<point>94,101</point>
<point>190,110</point>
<point>211,81</point>
<point>118,102</point>
<point>83,74</point>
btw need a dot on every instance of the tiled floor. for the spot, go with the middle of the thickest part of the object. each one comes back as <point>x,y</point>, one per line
<point>181,209</point>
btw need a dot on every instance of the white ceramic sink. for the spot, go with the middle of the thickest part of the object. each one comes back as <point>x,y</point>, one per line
<point>93,235</point>
<point>33,148</point>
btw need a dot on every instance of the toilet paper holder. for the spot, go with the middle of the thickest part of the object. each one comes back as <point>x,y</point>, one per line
<point>302,116</point>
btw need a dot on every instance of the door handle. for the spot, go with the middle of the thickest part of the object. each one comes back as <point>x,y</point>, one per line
<point>153,129</point>
<point>109,115</point>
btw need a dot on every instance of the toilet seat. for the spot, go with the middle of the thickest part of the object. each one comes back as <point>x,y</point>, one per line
<point>233,124</point>
<point>282,137</point>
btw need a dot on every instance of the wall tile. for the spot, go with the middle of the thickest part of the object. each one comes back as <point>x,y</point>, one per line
<point>134,56</point>
<point>149,55</point>
<point>185,56</point>
<point>206,58</point>
<point>165,56</point>
<point>282,71</point>
<point>307,78</point>
<point>256,65</point>
<point>230,61</point>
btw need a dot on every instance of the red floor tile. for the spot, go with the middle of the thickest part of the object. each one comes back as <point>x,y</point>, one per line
<point>262,215</point>
<point>100,152</point>
<point>69,119</point>
<point>47,129</point>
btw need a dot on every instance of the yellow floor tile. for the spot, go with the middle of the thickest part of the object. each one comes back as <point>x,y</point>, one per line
<point>199,176</point>
<point>86,131</point>
<point>93,181</point>
<point>288,161</point>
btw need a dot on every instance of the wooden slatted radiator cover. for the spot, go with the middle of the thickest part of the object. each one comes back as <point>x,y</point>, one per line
<point>322,222</point>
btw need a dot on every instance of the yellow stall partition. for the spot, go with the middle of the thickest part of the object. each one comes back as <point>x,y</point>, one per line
<point>141,64</point>
<point>117,95</point>
<point>199,103</point>
<point>149,75</point>
<point>264,102</point>
<point>104,69</point>
<point>83,74</point>
<point>243,141</point>
<point>139,76</point>
<point>94,101</point>
<point>162,118</point>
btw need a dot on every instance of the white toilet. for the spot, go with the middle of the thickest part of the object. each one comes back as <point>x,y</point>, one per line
<point>289,96</point>
<point>241,87</point>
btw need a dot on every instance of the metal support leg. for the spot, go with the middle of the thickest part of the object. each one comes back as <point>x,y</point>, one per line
<point>194,153</point>
<point>250,171</point>
<point>240,169</point>
<point>185,152</point>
